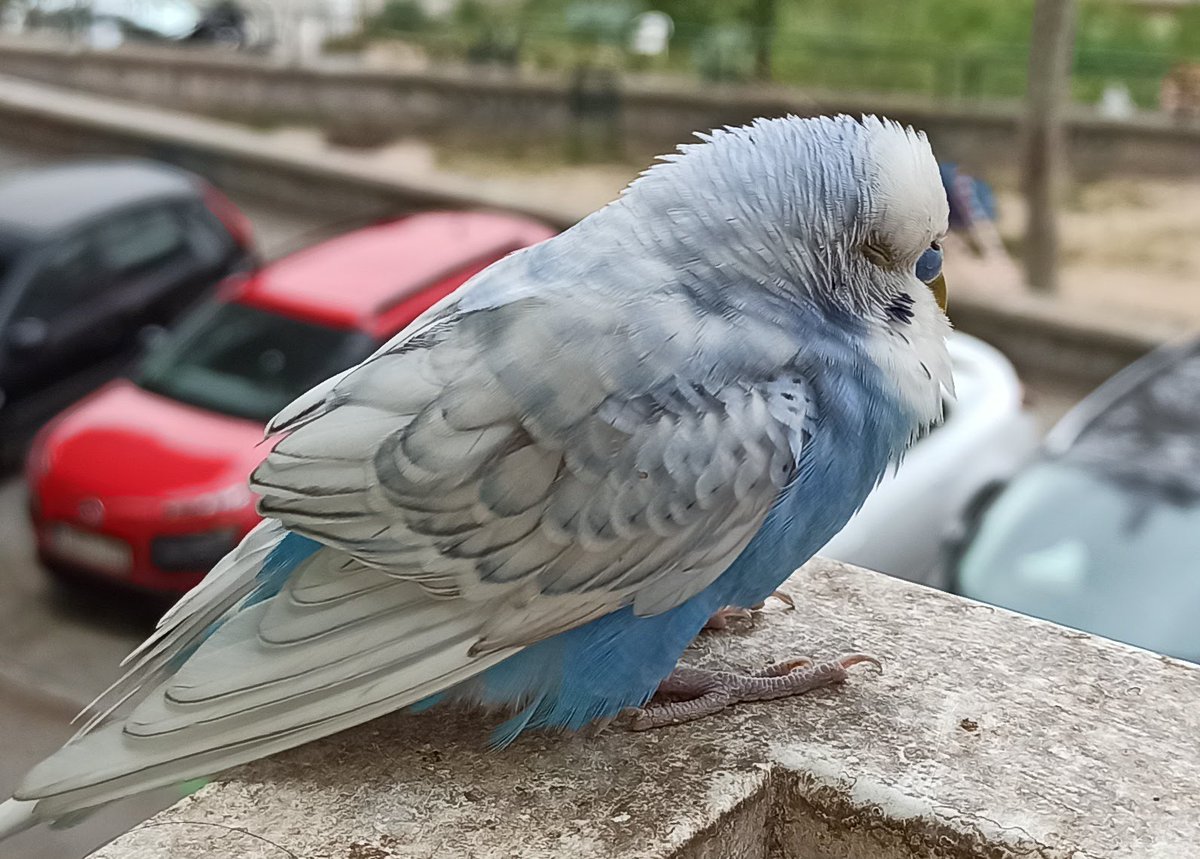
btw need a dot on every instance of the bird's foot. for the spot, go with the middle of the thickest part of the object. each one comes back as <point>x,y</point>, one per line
<point>720,620</point>
<point>722,617</point>
<point>691,693</point>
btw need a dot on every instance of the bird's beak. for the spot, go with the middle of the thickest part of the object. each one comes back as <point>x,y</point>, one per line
<point>938,287</point>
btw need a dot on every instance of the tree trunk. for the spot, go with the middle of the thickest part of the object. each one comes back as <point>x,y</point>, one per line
<point>764,32</point>
<point>1051,48</point>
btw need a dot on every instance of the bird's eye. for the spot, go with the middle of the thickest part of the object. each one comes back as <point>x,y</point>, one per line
<point>929,266</point>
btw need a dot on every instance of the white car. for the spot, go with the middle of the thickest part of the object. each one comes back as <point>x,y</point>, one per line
<point>107,24</point>
<point>987,435</point>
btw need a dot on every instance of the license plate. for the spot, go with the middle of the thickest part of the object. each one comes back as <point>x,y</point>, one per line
<point>91,550</point>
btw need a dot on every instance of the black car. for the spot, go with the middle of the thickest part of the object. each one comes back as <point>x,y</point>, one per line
<point>1102,531</point>
<point>92,256</point>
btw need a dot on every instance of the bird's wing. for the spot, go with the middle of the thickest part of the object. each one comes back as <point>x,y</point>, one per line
<point>524,461</point>
<point>470,496</point>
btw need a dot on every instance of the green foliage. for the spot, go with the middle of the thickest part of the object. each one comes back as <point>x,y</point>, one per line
<point>724,52</point>
<point>967,49</point>
<point>490,35</point>
<point>404,16</point>
<point>596,22</point>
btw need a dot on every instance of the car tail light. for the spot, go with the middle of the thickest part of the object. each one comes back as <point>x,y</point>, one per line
<point>230,287</point>
<point>209,504</point>
<point>231,216</point>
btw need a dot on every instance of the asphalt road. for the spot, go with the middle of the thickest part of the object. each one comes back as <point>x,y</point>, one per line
<point>60,648</point>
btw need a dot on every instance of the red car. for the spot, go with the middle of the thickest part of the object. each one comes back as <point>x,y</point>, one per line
<point>144,482</point>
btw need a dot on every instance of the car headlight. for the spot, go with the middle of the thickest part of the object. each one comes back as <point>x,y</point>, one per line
<point>192,552</point>
<point>210,503</point>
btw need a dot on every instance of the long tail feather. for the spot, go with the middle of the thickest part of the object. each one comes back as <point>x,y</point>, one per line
<point>16,816</point>
<point>338,644</point>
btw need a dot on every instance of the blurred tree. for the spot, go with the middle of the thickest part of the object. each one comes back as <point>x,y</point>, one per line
<point>967,49</point>
<point>491,33</point>
<point>596,22</point>
<point>1187,33</point>
<point>405,16</point>
<point>763,18</point>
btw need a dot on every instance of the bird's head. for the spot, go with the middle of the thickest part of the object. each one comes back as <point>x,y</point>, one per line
<point>826,219</point>
<point>846,212</point>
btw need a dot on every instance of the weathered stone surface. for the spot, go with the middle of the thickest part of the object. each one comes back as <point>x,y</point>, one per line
<point>988,735</point>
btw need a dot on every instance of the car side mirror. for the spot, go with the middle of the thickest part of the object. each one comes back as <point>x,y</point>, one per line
<point>27,335</point>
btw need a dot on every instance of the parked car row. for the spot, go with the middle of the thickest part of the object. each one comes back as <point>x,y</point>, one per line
<point>91,256</point>
<point>143,482</point>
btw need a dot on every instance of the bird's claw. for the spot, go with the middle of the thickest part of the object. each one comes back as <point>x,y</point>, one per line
<point>722,617</point>
<point>784,598</point>
<point>848,660</point>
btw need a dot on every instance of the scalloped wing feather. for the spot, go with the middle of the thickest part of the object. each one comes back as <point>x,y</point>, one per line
<point>548,498</point>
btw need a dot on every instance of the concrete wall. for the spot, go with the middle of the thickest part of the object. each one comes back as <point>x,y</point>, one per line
<point>521,111</point>
<point>333,183</point>
<point>987,735</point>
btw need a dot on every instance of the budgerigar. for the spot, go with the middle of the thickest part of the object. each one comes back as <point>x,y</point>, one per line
<point>534,497</point>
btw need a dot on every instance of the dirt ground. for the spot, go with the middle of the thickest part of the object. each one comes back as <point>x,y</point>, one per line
<point>1130,247</point>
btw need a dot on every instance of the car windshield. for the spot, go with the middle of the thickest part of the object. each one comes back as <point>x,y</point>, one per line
<point>243,361</point>
<point>1107,556</point>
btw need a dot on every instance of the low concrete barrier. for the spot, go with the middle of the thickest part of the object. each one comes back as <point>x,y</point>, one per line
<point>1047,339</point>
<point>331,182</point>
<point>988,735</point>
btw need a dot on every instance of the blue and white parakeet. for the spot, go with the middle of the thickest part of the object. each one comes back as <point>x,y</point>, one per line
<point>536,495</point>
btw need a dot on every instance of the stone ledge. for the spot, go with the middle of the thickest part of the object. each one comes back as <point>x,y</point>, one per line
<point>490,105</point>
<point>989,734</point>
